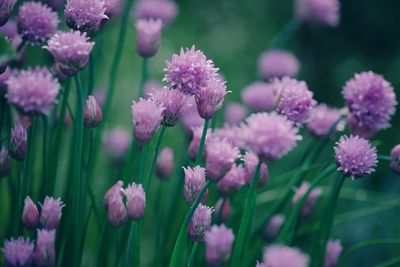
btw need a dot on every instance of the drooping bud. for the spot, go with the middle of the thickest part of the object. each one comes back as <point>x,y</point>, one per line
<point>51,213</point>
<point>92,115</point>
<point>45,252</point>
<point>18,140</point>
<point>30,214</point>
<point>135,201</point>
<point>4,163</point>
<point>200,222</point>
<point>148,36</point>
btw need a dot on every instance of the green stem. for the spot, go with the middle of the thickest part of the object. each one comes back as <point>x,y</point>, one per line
<point>319,247</point>
<point>244,223</point>
<point>91,75</point>
<point>46,183</point>
<point>144,77</point>
<point>129,249</point>
<point>127,171</point>
<point>382,157</point>
<point>154,160</point>
<point>192,254</point>
<point>285,33</point>
<point>368,243</point>
<point>181,239</point>
<point>202,141</point>
<point>389,263</point>
<point>78,142</point>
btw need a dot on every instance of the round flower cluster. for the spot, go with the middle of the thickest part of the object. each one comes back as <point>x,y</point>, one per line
<point>319,11</point>
<point>277,63</point>
<point>260,96</point>
<point>84,15</point>
<point>322,119</point>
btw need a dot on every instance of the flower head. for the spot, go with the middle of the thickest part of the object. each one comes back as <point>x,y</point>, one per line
<point>18,252</point>
<point>283,256</point>
<point>250,164</point>
<point>226,209</point>
<point>71,50</point>
<point>195,179</point>
<point>30,214</point>
<point>395,159</point>
<point>274,226</point>
<point>322,119</point>
<point>295,100</point>
<point>148,35</point>
<point>51,213</point>
<point>333,251</point>
<point>232,181</point>
<point>189,71</point>
<point>371,101</point>
<point>232,134</point>
<point>355,156</point>
<point>114,190</point>
<point>220,156</point>
<point>18,142</point>
<point>4,163</point>
<point>165,10</point>
<point>92,114</point>
<point>209,99</point>
<point>45,251</point>
<point>270,136</point>
<point>194,145</point>
<point>219,240</point>
<point>311,198</point>
<point>113,7</point>
<point>277,63</point>
<point>84,15</point>
<point>32,91</point>
<point>6,7</point>
<point>200,222</point>
<point>165,163</point>
<point>117,142</point>
<point>260,96</point>
<point>234,113</point>
<point>135,201</point>
<point>319,11</point>
<point>36,22</point>
<point>190,116</point>
<point>173,103</point>
<point>117,213</point>
<point>147,116</point>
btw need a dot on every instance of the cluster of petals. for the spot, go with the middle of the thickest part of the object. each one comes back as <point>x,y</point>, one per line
<point>200,222</point>
<point>322,119</point>
<point>260,96</point>
<point>219,240</point>
<point>319,11</point>
<point>283,256</point>
<point>277,63</point>
<point>85,15</point>
<point>195,179</point>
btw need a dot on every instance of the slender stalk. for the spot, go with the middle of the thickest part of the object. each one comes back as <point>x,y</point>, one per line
<point>129,248</point>
<point>319,247</point>
<point>202,141</point>
<point>154,159</point>
<point>91,74</point>
<point>78,142</point>
<point>181,239</point>
<point>144,76</point>
<point>192,254</point>
<point>389,263</point>
<point>285,33</point>
<point>46,184</point>
<point>244,223</point>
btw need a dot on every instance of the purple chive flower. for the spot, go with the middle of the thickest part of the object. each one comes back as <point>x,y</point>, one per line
<point>395,159</point>
<point>219,240</point>
<point>147,116</point>
<point>30,214</point>
<point>200,222</point>
<point>234,113</point>
<point>51,213</point>
<point>355,156</point>
<point>277,63</point>
<point>18,140</point>
<point>209,99</point>
<point>45,251</point>
<point>190,117</point>
<point>6,6</point>
<point>148,35</point>
<point>4,163</point>
<point>114,190</point>
<point>117,142</point>
<point>371,101</point>
<point>295,100</point>
<point>164,10</point>
<point>226,209</point>
<point>165,163</point>
<point>260,96</point>
<point>36,22</point>
<point>194,145</point>
<point>117,213</point>
<point>232,134</point>
<point>274,226</point>
<point>173,102</point>
<point>135,201</point>
<point>322,119</point>
<point>151,87</point>
<point>70,50</point>
<point>311,199</point>
<point>333,251</point>
<point>84,15</point>
<point>113,7</point>
<point>270,136</point>
<point>250,164</point>
<point>32,91</point>
<point>220,156</point>
<point>283,256</point>
<point>189,71</point>
<point>319,11</point>
<point>232,181</point>
<point>195,179</point>
<point>92,114</point>
<point>18,252</point>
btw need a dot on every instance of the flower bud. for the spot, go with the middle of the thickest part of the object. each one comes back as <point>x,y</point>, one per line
<point>18,140</point>
<point>209,99</point>
<point>117,213</point>
<point>114,190</point>
<point>4,163</point>
<point>30,214</point>
<point>395,159</point>
<point>165,163</point>
<point>200,222</point>
<point>195,179</point>
<point>92,114</point>
<point>51,213</point>
<point>311,199</point>
<point>333,250</point>
<point>45,252</point>
<point>135,201</point>
<point>274,226</point>
<point>148,36</point>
